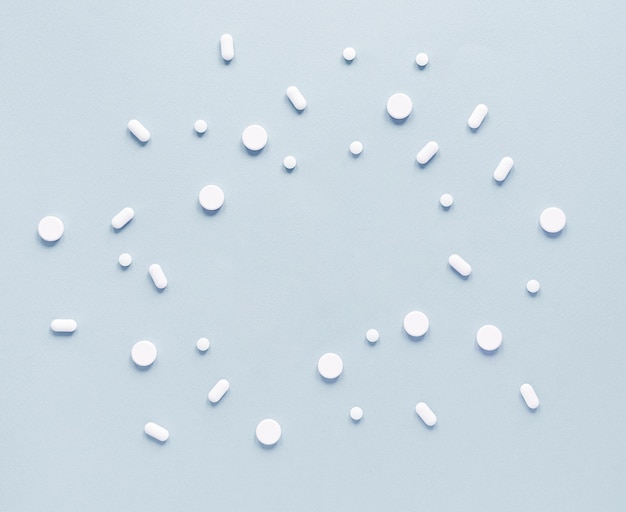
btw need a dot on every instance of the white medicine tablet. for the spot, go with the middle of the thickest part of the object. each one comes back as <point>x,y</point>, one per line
<point>218,391</point>
<point>349,54</point>
<point>268,432</point>
<point>65,325</point>
<point>211,197</point>
<point>416,324</point>
<point>203,344</point>
<point>122,218</point>
<point>427,152</point>
<point>421,59</point>
<point>446,200</point>
<point>290,162</point>
<point>552,220</point>
<point>503,169</point>
<point>399,106</point>
<point>50,228</point>
<point>330,366</point>
<point>254,137</point>
<point>139,130</point>
<point>529,396</point>
<point>372,335</point>
<point>356,413</point>
<point>533,286</point>
<point>125,260</point>
<point>296,98</point>
<point>158,276</point>
<point>227,47</point>
<point>489,337</point>
<point>460,265</point>
<point>356,147</point>
<point>477,116</point>
<point>143,353</point>
<point>426,414</point>
<point>156,431</point>
<point>200,126</point>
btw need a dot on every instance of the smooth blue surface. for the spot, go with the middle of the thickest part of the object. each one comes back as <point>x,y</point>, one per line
<point>298,264</point>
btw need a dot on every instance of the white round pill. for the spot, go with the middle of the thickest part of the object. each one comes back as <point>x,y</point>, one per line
<point>211,197</point>
<point>356,147</point>
<point>416,324</point>
<point>421,59</point>
<point>254,137</point>
<point>50,228</point>
<point>144,353</point>
<point>533,286</point>
<point>356,413</point>
<point>268,432</point>
<point>349,54</point>
<point>552,220</point>
<point>330,366</point>
<point>446,200</point>
<point>489,337</point>
<point>125,259</point>
<point>399,106</point>
<point>203,344</point>
<point>290,162</point>
<point>200,126</point>
<point>372,335</point>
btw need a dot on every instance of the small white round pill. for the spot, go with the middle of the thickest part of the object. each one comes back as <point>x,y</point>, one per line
<point>533,286</point>
<point>203,344</point>
<point>446,200</point>
<point>349,54</point>
<point>356,413</point>
<point>356,147</point>
<point>290,162</point>
<point>421,59</point>
<point>200,126</point>
<point>50,228</point>
<point>211,197</point>
<point>552,220</point>
<point>268,432</point>
<point>399,106</point>
<point>125,260</point>
<point>416,324</point>
<point>144,353</point>
<point>330,366</point>
<point>254,137</point>
<point>372,335</point>
<point>489,337</point>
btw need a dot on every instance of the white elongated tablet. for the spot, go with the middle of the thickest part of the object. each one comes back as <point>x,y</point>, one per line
<point>139,130</point>
<point>416,324</point>
<point>372,335</point>
<point>227,47</point>
<point>503,169</point>
<point>290,162</point>
<point>203,344</point>
<point>157,275</point>
<point>446,200</point>
<point>50,228</point>
<point>529,396</point>
<point>552,220</point>
<point>254,137</point>
<point>143,353</point>
<point>533,286</point>
<point>211,198</point>
<point>125,260</point>
<point>421,59</point>
<point>399,106</point>
<point>200,126</point>
<point>356,147</point>
<point>349,54</point>
<point>477,116</point>
<point>460,265</point>
<point>427,152</point>
<point>330,366</point>
<point>489,338</point>
<point>268,432</point>
<point>63,325</point>
<point>157,431</point>
<point>426,414</point>
<point>356,413</point>
<point>218,391</point>
<point>296,97</point>
<point>123,218</point>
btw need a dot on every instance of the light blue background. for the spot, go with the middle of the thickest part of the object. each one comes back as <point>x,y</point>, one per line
<point>298,264</point>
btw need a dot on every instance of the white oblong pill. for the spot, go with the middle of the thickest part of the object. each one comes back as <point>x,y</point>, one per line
<point>421,59</point>
<point>489,338</point>
<point>143,353</point>
<point>399,106</point>
<point>63,325</point>
<point>254,137</point>
<point>290,162</point>
<point>503,169</point>
<point>552,220</point>
<point>50,228</point>
<point>218,391</point>
<point>446,200</point>
<point>203,344</point>
<point>227,47</point>
<point>477,116</point>
<point>157,275</point>
<point>268,432</point>
<point>427,152</point>
<point>356,147</point>
<point>211,198</point>
<point>139,130</point>
<point>460,265</point>
<point>330,366</point>
<point>533,286</point>
<point>426,414</point>
<point>123,218</point>
<point>156,431</point>
<point>529,395</point>
<point>296,97</point>
<point>349,54</point>
<point>125,260</point>
<point>356,413</point>
<point>416,324</point>
<point>372,335</point>
<point>200,126</point>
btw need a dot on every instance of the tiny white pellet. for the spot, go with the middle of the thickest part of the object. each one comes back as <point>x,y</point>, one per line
<point>122,218</point>
<point>503,169</point>
<point>63,325</point>
<point>489,338</point>
<point>200,126</point>
<point>426,414</point>
<point>50,228</point>
<point>477,116</point>
<point>203,344</point>
<point>421,59</point>
<point>349,54</point>
<point>529,395</point>
<point>139,130</point>
<point>533,286</point>
<point>218,391</point>
<point>356,148</point>
<point>268,432</point>
<point>254,137</point>
<point>460,265</point>
<point>356,413</point>
<point>290,162</point>
<point>156,431</point>
<point>427,152</point>
<point>143,353</point>
<point>125,260</point>
<point>296,98</point>
<point>157,275</point>
<point>372,335</point>
<point>330,366</point>
<point>552,220</point>
<point>446,200</point>
<point>211,197</point>
<point>399,106</point>
<point>416,324</point>
<point>227,47</point>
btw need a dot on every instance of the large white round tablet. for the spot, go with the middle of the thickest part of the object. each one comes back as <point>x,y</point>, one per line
<point>421,59</point>
<point>446,200</point>
<point>489,337</point>
<point>416,324</point>
<point>50,228</point>
<point>533,286</point>
<point>349,54</point>
<point>552,220</point>
<point>356,147</point>
<point>399,106</point>
<point>290,162</point>
<point>356,413</point>
<point>268,432</point>
<point>211,197</point>
<point>254,137</point>
<point>144,353</point>
<point>330,366</point>
<point>203,344</point>
<point>372,335</point>
<point>200,126</point>
<point>125,260</point>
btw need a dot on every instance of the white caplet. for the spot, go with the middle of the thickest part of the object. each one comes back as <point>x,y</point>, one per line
<point>426,414</point>
<point>63,325</point>
<point>477,116</point>
<point>227,47</point>
<point>139,130</point>
<point>529,396</point>
<point>218,391</point>
<point>460,265</point>
<point>123,217</point>
<point>156,431</point>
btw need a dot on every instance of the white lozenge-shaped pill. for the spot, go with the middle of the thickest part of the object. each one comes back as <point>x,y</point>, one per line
<point>446,200</point>
<point>158,276</point>
<point>552,220</point>
<point>156,431</point>
<point>227,47</point>
<point>330,366</point>
<point>460,265</point>
<point>218,391</point>
<point>203,344</point>
<point>125,260</point>
<point>421,59</point>
<point>489,338</point>
<point>503,169</point>
<point>50,228</point>
<point>139,130</point>
<point>211,198</point>
<point>356,413</point>
<point>356,148</point>
<point>372,335</point>
<point>63,325</point>
<point>426,414</point>
<point>290,162</point>
<point>427,152</point>
<point>254,137</point>
<point>200,126</point>
<point>296,98</point>
<point>529,396</point>
<point>268,432</point>
<point>143,353</point>
<point>123,217</point>
<point>349,54</point>
<point>399,106</point>
<point>533,286</point>
<point>477,116</point>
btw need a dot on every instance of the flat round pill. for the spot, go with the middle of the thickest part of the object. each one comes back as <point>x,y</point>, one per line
<point>289,162</point>
<point>533,286</point>
<point>372,335</point>
<point>50,228</point>
<point>416,324</point>
<point>349,54</point>
<point>446,200</point>
<point>330,366</point>
<point>203,344</point>
<point>489,337</point>
<point>254,137</point>
<point>200,126</point>
<point>211,198</point>
<point>144,353</point>
<point>125,260</point>
<point>268,432</point>
<point>399,106</point>
<point>356,147</point>
<point>421,59</point>
<point>356,413</point>
<point>552,220</point>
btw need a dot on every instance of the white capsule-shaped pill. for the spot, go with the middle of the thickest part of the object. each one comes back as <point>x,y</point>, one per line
<point>529,396</point>
<point>156,431</point>
<point>123,218</point>
<point>218,391</point>
<point>477,116</point>
<point>427,152</point>
<point>63,325</point>
<point>139,130</point>
<point>503,169</point>
<point>227,47</point>
<point>158,276</point>
<point>426,414</point>
<point>296,97</point>
<point>460,265</point>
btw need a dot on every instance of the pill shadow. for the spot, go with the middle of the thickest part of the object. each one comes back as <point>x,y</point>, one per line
<point>199,135</point>
<point>158,441</point>
<point>325,380</point>
<point>416,338</point>
<point>288,171</point>
<point>521,398</point>
<point>116,230</point>
<point>353,155</point>
<point>140,368</point>
<point>423,166</point>
<point>347,62</point>
<point>474,130</point>
<point>46,243</point>
<point>130,135</point>
<point>63,334</point>
<point>253,152</point>
<point>397,121</point>
<point>465,278</point>
<point>268,447</point>
<point>209,213</point>
<point>489,353</point>
<point>550,235</point>
<point>429,427</point>
<point>299,112</point>
<point>445,208</point>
